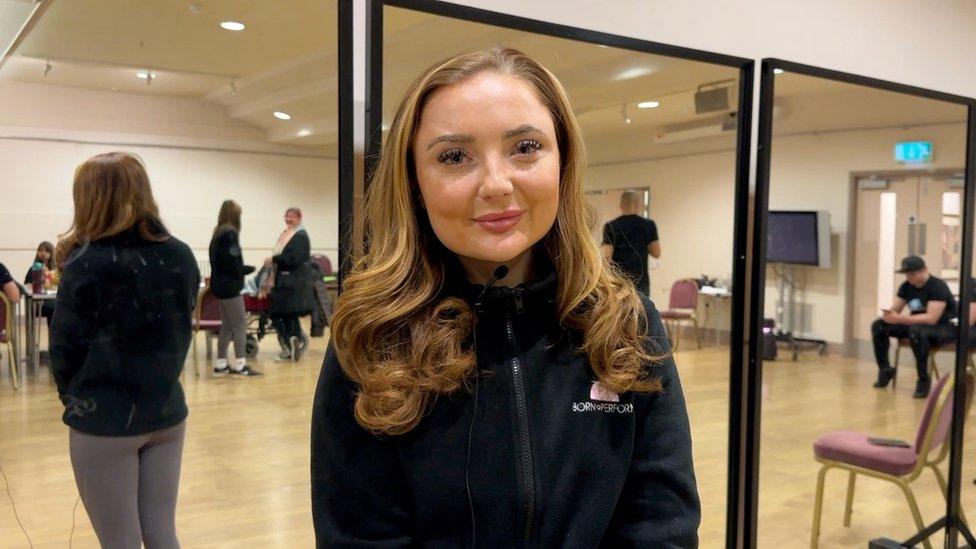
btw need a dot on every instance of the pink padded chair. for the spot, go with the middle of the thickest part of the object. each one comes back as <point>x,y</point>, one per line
<point>207,319</point>
<point>6,336</point>
<point>682,306</point>
<point>851,451</point>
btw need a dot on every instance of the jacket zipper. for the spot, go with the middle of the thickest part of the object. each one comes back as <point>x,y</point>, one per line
<point>528,480</point>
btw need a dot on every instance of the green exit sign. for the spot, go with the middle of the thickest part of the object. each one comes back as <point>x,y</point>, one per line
<point>913,152</point>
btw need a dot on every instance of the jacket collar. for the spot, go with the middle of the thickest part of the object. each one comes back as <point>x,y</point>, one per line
<point>532,295</point>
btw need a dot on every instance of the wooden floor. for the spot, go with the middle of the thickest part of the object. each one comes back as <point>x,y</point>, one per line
<point>245,468</point>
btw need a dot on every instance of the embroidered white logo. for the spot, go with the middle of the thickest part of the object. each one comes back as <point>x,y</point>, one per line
<point>607,401</point>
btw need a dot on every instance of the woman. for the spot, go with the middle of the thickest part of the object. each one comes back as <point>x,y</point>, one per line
<point>227,272</point>
<point>120,338</point>
<point>490,380</point>
<point>44,256</point>
<point>49,273</point>
<point>290,286</point>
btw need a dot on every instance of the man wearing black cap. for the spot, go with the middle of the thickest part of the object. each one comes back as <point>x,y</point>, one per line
<point>930,307</point>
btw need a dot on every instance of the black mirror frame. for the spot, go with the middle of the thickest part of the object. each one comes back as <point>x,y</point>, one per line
<point>951,522</point>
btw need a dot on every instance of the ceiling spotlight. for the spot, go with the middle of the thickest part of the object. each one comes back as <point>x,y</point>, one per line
<point>623,112</point>
<point>778,71</point>
<point>648,104</point>
<point>47,67</point>
<point>232,26</point>
<point>282,115</point>
<point>233,86</point>
<point>304,132</point>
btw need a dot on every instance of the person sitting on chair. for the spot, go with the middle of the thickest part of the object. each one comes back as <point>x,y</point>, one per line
<point>926,324</point>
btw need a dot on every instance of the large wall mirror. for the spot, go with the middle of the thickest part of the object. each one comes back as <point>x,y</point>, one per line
<point>863,233</point>
<point>660,122</point>
<point>219,100</point>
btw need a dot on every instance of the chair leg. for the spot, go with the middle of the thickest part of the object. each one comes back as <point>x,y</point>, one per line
<point>894,380</point>
<point>933,367</point>
<point>196,361</point>
<point>916,515</point>
<point>817,508</point>
<point>849,509</point>
<point>697,332</point>
<point>945,490</point>
<point>12,362</point>
<point>209,340</point>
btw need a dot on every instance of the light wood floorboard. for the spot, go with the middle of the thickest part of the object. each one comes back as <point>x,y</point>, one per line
<point>245,468</point>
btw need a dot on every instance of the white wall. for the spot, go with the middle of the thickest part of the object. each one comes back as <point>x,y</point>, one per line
<point>190,156</point>
<point>927,44</point>
<point>692,204</point>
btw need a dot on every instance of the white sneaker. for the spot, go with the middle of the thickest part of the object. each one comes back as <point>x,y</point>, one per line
<point>221,367</point>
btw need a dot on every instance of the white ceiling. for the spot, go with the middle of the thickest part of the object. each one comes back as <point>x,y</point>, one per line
<point>286,61</point>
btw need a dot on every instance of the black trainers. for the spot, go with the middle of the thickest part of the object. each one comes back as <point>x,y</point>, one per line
<point>221,371</point>
<point>885,375</point>
<point>245,372</point>
<point>922,388</point>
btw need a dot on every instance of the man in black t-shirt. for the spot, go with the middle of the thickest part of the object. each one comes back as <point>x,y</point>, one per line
<point>930,308</point>
<point>7,285</point>
<point>628,239</point>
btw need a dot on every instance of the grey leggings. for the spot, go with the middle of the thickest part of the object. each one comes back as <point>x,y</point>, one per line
<point>129,486</point>
<point>233,326</point>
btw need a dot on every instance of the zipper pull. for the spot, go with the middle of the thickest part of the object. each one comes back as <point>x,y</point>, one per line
<point>519,306</point>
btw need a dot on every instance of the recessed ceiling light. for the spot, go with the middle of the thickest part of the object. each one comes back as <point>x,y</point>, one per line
<point>633,72</point>
<point>144,75</point>
<point>304,132</point>
<point>232,26</point>
<point>282,115</point>
<point>778,71</point>
<point>648,104</point>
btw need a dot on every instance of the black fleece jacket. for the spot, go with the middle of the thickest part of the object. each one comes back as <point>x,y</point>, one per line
<point>120,334</point>
<point>227,268</point>
<point>554,461</point>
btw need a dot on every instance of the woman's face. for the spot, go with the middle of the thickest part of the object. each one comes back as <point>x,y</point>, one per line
<point>487,165</point>
<point>292,219</point>
<point>43,255</point>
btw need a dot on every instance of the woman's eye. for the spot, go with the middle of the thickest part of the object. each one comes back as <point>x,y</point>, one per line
<point>527,146</point>
<point>451,157</point>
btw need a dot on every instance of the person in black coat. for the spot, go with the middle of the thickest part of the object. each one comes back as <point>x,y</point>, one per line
<point>291,292</point>
<point>491,381</point>
<point>119,341</point>
<point>227,270</point>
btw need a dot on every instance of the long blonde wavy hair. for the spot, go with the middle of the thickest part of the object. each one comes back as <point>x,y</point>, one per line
<point>401,341</point>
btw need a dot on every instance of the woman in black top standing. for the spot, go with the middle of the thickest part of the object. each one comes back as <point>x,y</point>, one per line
<point>119,341</point>
<point>291,290</point>
<point>227,270</point>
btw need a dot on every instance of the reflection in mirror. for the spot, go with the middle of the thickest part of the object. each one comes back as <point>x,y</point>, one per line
<point>863,252</point>
<point>213,111</point>
<point>664,129</point>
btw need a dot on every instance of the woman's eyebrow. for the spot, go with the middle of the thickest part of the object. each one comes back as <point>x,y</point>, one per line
<point>521,130</point>
<point>452,138</point>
